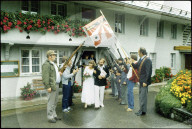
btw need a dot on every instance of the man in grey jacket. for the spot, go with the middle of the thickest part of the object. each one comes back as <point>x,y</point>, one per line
<point>51,79</point>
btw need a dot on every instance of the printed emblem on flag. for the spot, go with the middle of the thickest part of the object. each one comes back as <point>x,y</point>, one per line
<point>99,30</point>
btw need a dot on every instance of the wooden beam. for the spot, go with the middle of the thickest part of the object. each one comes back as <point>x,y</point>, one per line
<point>182,47</point>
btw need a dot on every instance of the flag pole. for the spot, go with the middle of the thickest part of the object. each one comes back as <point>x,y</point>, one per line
<point>121,48</point>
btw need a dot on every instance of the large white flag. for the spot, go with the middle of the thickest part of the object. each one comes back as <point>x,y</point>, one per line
<point>101,33</point>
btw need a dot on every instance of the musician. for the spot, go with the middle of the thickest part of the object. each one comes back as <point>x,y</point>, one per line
<point>86,61</point>
<point>92,57</point>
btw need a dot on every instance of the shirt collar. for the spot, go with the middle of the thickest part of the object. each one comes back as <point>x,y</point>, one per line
<point>143,57</point>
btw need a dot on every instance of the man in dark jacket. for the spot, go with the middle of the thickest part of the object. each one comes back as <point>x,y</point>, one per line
<point>101,72</point>
<point>144,67</point>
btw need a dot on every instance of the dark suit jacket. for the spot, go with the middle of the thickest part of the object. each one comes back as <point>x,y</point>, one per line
<point>97,81</point>
<point>146,71</point>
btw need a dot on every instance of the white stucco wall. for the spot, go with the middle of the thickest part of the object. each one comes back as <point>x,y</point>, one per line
<point>130,40</point>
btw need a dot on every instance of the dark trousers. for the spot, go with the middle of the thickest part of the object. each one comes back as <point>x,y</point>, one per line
<point>143,98</point>
<point>66,95</point>
<point>71,96</point>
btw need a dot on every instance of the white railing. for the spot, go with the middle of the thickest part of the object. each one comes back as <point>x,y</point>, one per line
<point>159,7</point>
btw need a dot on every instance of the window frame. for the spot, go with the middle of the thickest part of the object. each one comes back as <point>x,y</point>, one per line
<point>173,60</point>
<point>173,31</point>
<point>160,34</point>
<point>57,8</point>
<point>123,23</point>
<point>88,19</point>
<point>145,27</point>
<point>29,7</point>
<point>155,59</point>
<point>30,61</point>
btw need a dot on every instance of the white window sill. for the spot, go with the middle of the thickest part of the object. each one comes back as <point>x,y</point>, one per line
<point>30,74</point>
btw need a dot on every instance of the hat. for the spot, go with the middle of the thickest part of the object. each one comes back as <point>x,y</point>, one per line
<point>50,52</point>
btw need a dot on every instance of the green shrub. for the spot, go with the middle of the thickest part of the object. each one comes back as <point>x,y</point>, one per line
<point>189,107</point>
<point>165,101</point>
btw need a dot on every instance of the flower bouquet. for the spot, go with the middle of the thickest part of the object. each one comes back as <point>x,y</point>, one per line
<point>86,75</point>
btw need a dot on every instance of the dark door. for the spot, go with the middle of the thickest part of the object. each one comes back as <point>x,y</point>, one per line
<point>188,61</point>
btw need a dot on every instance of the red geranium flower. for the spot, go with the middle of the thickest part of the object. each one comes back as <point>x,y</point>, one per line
<point>16,26</point>
<point>1,23</point>
<point>21,30</point>
<point>25,23</point>
<point>5,27</point>
<point>48,22</point>
<point>45,28</point>
<point>79,28</point>
<point>39,26</point>
<point>4,21</point>
<point>73,34</point>
<point>43,22</point>
<point>10,24</point>
<point>31,21</point>
<point>52,27</point>
<point>48,30</point>
<point>18,22</point>
<point>8,28</point>
<point>58,30</point>
<point>66,26</point>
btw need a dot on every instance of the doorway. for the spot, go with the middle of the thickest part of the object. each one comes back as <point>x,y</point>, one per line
<point>188,62</point>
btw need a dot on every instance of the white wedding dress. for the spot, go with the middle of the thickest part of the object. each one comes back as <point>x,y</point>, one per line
<point>87,95</point>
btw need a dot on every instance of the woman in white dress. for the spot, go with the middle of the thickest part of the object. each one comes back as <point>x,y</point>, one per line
<point>88,85</point>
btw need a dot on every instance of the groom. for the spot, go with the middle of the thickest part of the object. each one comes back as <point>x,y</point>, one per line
<point>101,72</point>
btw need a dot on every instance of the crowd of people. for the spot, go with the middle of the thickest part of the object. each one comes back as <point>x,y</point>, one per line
<point>123,75</point>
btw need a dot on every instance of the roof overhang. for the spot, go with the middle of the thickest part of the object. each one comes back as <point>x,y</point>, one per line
<point>135,10</point>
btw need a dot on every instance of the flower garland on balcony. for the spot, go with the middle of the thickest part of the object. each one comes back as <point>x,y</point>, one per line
<point>34,22</point>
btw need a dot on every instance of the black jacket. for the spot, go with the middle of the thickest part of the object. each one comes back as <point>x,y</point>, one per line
<point>100,82</point>
<point>146,71</point>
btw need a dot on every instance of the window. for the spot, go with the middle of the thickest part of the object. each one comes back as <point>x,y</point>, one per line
<point>160,28</point>
<point>59,56</point>
<point>31,6</point>
<point>173,60</point>
<point>144,28</point>
<point>174,31</point>
<point>59,9</point>
<point>119,23</point>
<point>88,13</point>
<point>30,61</point>
<point>153,59</point>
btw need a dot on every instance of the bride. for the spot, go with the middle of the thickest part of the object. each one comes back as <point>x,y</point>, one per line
<point>88,85</point>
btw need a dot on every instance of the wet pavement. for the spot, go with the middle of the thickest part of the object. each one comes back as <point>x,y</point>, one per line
<point>112,115</point>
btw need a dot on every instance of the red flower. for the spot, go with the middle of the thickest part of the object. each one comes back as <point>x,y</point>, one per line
<point>16,26</point>
<point>49,27</point>
<point>45,28</point>
<point>18,22</point>
<point>48,30</point>
<point>43,22</point>
<point>58,30</point>
<point>8,28</point>
<point>4,21</point>
<point>52,27</point>
<point>21,30</point>
<point>25,23</point>
<point>31,21</point>
<point>38,20</point>
<point>29,27</point>
<point>79,28</point>
<point>83,31</point>
<point>5,27</point>
<point>66,26</point>
<point>39,26</point>
<point>57,25</point>
<point>48,22</point>
<point>73,34</point>
<point>1,23</point>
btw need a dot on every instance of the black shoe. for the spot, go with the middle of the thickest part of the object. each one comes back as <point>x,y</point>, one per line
<point>141,114</point>
<point>52,121</point>
<point>57,118</point>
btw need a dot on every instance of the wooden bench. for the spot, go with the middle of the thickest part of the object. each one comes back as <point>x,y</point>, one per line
<point>39,86</point>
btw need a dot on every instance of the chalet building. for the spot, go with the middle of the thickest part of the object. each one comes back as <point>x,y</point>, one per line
<point>164,31</point>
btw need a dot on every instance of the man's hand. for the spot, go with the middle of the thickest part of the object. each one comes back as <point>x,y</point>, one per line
<point>103,77</point>
<point>100,77</point>
<point>144,84</point>
<point>49,90</point>
<point>94,71</point>
<point>124,83</point>
<point>75,71</point>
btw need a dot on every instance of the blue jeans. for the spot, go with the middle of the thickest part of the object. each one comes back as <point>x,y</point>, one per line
<point>66,95</point>
<point>130,96</point>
